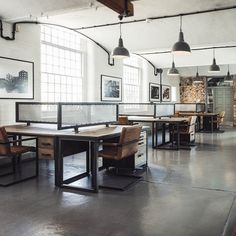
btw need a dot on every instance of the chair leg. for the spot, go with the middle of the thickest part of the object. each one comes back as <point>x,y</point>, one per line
<point>13,164</point>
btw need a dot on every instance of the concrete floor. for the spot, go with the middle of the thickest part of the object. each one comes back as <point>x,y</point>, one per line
<point>183,193</point>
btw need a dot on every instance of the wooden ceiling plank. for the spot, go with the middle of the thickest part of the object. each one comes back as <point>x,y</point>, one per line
<point>118,6</point>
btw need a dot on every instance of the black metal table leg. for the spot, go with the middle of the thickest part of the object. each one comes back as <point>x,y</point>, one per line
<point>178,136</point>
<point>153,134</point>
<point>94,159</point>
<point>163,133</point>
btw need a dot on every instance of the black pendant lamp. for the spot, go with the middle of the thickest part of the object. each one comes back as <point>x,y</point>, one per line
<point>181,46</point>
<point>214,67</point>
<point>197,78</point>
<point>173,70</point>
<point>120,52</point>
<point>228,77</point>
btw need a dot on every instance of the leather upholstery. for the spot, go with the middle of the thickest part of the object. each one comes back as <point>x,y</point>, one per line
<point>7,150</point>
<point>127,145</point>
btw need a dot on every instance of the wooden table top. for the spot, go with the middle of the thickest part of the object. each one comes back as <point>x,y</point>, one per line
<point>95,132</point>
<point>198,114</point>
<point>159,120</point>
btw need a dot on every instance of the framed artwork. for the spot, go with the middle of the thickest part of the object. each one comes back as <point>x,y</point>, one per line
<point>154,92</point>
<point>16,79</point>
<point>166,93</point>
<point>111,88</point>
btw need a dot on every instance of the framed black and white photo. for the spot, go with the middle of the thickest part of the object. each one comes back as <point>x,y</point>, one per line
<point>16,79</point>
<point>166,93</point>
<point>111,88</point>
<point>154,92</point>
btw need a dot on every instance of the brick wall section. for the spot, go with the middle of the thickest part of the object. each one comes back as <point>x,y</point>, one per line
<point>194,92</point>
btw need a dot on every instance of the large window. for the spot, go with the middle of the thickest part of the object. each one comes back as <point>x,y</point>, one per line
<point>61,65</point>
<point>131,80</point>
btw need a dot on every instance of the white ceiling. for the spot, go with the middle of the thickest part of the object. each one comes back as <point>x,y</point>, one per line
<point>210,29</point>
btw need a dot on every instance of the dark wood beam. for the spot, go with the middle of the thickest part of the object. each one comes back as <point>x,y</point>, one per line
<point>119,6</point>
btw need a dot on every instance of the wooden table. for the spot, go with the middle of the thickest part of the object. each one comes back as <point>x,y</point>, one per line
<point>91,136</point>
<point>175,121</point>
<point>202,114</point>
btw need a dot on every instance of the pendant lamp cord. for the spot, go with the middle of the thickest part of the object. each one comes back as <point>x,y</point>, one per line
<point>213,52</point>
<point>180,23</point>
<point>120,30</point>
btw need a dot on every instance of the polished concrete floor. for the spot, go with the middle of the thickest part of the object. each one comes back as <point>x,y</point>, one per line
<point>182,193</point>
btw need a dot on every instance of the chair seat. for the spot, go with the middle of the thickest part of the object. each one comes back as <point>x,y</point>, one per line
<point>15,150</point>
<point>108,153</point>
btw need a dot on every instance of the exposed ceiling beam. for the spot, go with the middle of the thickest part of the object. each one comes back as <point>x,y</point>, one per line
<point>122,7</point>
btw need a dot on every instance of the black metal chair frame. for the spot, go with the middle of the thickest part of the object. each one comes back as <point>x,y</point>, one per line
<point>16,162</point>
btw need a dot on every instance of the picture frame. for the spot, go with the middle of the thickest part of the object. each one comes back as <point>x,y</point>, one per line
<point>16,78</point>
<point>166,93</point>
<point>111,88</point>
<point>154,92</point>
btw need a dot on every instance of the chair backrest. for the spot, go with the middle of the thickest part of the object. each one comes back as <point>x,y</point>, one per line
<point>123,120</point>
<point>192,123</point>
<point>128,141</point>
<point>4,142</point>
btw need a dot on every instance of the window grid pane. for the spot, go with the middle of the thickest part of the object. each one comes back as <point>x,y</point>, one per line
<point>61,65</point>
<point>131,82</point>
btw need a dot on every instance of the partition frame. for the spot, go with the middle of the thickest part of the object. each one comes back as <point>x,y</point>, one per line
<point>86,125</point>
<point>35,103</point>
<point>59,114</point>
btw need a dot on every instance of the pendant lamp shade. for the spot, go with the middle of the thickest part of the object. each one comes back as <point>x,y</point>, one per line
<point>173,70</point>
<point>181,46</point>
<point>120,52</point>
<point>214,67</point>
<point>228,77</point>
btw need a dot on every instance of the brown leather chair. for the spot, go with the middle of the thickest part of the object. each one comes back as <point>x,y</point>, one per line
<point>125,147</point>
<point>123,120</point>
<point>13,149</point>
<point>116,153</point>
<point>187,131</point>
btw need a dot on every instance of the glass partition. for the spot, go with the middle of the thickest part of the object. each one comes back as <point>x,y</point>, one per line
<point>189,107</point>
<point>137,109</point>
<point>79,114</point>
<point>67,115</point>
<point>37,112</point>
<point>164,109</point>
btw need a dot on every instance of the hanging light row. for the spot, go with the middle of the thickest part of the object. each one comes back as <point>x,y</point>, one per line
<point>180,47</point>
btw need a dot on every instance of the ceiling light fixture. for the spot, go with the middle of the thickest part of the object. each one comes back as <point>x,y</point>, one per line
<point>214,67</point>
<point>120,52</point>
<point>173,70</point>
<point>197,78</point>
<point>228,77</point>
<point>181,46</point>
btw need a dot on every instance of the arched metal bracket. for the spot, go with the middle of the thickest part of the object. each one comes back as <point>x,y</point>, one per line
<point>156,70</point>
<point>14,26</point>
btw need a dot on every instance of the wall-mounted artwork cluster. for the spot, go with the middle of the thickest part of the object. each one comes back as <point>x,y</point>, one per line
<point>111,90</point>
<point>159,93</point>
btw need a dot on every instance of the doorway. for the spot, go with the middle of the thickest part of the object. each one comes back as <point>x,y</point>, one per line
<point>223,101</point>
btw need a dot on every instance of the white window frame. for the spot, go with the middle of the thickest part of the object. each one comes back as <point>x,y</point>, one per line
<point>72,89</point>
